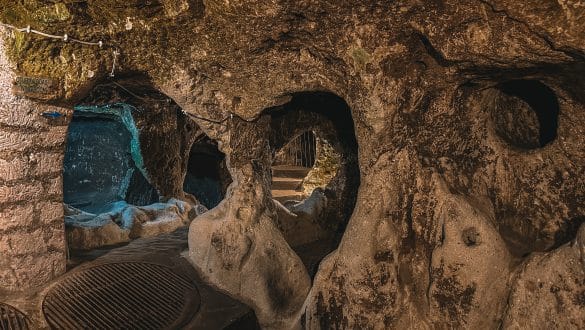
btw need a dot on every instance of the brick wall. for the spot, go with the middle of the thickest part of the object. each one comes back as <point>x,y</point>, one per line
<point>32,240</point>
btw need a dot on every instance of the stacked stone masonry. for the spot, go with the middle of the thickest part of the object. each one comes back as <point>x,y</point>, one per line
<point>32,238</point>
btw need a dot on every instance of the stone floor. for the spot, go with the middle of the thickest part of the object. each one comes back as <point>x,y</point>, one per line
<point>216,311</point>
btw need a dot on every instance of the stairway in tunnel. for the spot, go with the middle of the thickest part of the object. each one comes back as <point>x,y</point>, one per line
<point>286,182</point>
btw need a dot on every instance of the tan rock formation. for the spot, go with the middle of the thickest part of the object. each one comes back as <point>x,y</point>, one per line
<point>465,212</point>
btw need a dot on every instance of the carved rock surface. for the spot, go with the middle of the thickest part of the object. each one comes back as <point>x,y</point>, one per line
<point>469,127</point>
<point>549,291</point>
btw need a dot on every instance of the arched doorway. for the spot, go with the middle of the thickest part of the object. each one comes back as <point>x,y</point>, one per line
<point>315,174</point>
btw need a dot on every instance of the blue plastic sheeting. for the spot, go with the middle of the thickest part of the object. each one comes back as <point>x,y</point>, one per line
<point>103,163</point>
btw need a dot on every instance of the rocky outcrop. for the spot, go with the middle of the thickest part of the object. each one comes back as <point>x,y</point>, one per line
<point>237,246</point>
<point>549,289</point>
<point>326,165</point>
<point>465,207</point>
<point>300,222</point>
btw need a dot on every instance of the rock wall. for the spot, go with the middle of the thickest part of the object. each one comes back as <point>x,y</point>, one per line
<point>450,191</point>
<point>166,137</point>
<point>99,168</point>
<point>327,164</point>
<point>32,236</point>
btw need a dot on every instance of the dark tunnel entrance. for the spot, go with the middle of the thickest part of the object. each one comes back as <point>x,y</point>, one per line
<point>526,114</point>
<point>314,133</point>
<point>207,176</point>
<point>133,159</point>
<point>137,172</point>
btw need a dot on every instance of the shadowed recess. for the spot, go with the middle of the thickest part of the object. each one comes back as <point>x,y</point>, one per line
<point>207,177</point>
<point>529,127</point>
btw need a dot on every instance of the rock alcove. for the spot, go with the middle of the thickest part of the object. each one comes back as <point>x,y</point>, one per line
<point>207,176</point>
<point>526,114</point>
<point>114,188</point>
<point>315,160</point>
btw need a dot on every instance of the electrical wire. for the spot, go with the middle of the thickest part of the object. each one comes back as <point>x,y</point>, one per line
<point>219,122</point>
<point>100,44</point>
<point>64,37</point>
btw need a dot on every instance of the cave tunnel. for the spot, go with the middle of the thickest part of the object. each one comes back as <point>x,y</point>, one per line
<point>315,172</point>
<point>207,176</point>
<point>118,211</point>
<point>136,165</point>
<point>137,170</point>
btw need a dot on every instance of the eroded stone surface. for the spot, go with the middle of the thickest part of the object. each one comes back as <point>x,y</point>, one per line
<point>549,290</point>
<point>125,222</point>
<point>421,79</point>
<point>31,219</point>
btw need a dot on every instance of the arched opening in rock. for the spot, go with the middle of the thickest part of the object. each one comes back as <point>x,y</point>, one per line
<point>137,171</point>
<point>207,176</point>
<point>313,142</point>
<point>126,159</point>
<point>526,113</point>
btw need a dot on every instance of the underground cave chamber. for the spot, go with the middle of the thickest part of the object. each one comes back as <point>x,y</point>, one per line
<point>135,166</point>
<point>471,177</point>
<point>315,172</point>
<point>136,172</point>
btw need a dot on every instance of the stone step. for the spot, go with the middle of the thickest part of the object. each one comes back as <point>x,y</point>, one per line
<point>285,195</point>
<point>290,172</point>
<point>287,184</point>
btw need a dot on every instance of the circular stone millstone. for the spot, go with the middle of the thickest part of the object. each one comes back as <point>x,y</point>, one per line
<point>130,295</point>
<point>12,318</point>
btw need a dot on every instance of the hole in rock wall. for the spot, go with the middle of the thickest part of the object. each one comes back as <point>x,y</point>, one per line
<point>207,176</point>
<point>315,172</point>
<point>127,162</point>
<point>526,113</point>
<point>470,236</point>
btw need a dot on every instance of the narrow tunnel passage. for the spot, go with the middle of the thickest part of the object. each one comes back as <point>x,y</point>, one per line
<point>315,173</point>
<point>207,176</point>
